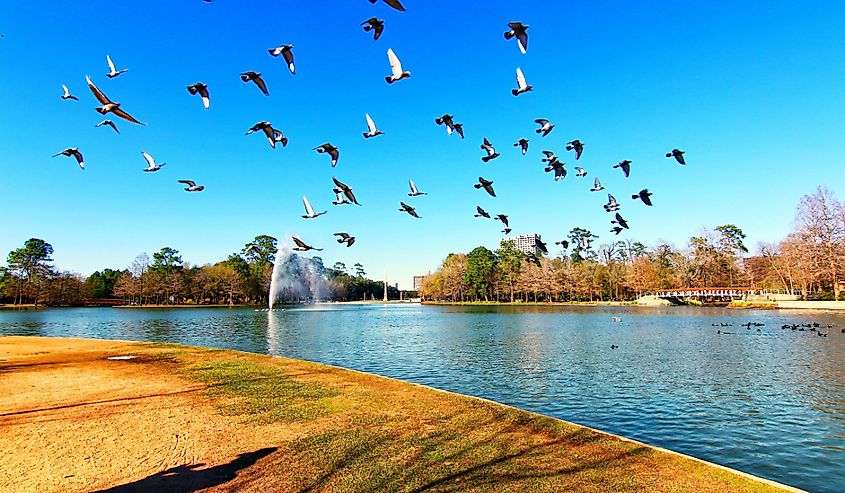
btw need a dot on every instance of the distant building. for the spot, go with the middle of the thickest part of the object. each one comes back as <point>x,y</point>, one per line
<point>418,280</point>
<point>526,243</point>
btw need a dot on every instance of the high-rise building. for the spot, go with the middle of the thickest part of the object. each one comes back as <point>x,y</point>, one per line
<point>526,243</point>
<point>418,280</point>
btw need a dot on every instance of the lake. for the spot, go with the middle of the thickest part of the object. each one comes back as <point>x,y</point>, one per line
<point>770,402</point>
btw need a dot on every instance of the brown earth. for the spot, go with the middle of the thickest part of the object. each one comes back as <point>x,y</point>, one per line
<point>184,419</point>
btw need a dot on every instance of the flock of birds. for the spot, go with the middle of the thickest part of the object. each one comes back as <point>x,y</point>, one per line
<point>343,192</point>
<point>812,326</point>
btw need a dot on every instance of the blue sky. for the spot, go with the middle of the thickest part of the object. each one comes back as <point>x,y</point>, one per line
<point>753,91</point>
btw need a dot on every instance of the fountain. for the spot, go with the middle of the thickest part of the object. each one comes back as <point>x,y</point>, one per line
<point>295,277</point>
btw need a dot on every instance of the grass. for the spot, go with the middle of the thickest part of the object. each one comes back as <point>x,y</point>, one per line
<point>365,433</point>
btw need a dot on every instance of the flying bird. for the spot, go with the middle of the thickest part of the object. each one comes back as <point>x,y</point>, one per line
<point>341,198</point>
<point>459,129</point>
<point>558,167</point>
<point>550,157</point>
<point>256,78</point>
<point>580,171</point>
<point>545,126</point>
<point>397,73</point>
<point>330,149</point>
<point>563,244</point>
<point>577,146</point>
<point>521,85</point>
<point>482,212</point>
<point>542,246</point>
<point>414,191</point>
<point>518,30</point>
<point>585,242</point>
<point>523,143</point>
<point>192,186</point>
<point>619,221</point>
<point>491,151</point>
<point>678,155</point>
<point>202,90</point>
<point>410,210</point>
<point>396,4</point>
<point>506,231</point>
<point>487,185</point>
<point>346,189</point>
<point>371,127</point>
<point>345,238</point>
<point>112,71</point>
<point>109,123</point>
<point>151,163</point>
<point>644,195</point>
<point>616,230</point>
<point>625,166</point>
<point>375,25</point>
<point>287,54</point>
<point>108,105</point>
<point>503,218</point>
<point>272,134</point>
<point>451,126</point>
<point>67,95</point>
<point>612,205</point>
<point>597,186</point>
<point>73,151</point>
<point>309,211</point>
<point>301,246</point>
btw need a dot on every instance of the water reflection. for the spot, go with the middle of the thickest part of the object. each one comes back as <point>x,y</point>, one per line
<point>770,402</point>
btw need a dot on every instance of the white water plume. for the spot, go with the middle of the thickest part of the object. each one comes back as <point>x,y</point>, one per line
<point>295,278</point>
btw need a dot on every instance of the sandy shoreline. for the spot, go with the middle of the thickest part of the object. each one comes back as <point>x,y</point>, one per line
<point>176,418</point>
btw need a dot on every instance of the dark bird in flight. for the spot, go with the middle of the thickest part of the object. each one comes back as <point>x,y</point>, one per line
<point>523,143</point>
<point>345,238</point>
<point>459,129</point>
<point>108,105</point>
<point>491,151</point>
<point>67,95</point>
<point>73,151</point>
<point>482,212</point>
<point>330,150</point>
<point>112,71</point>
<point>396,72</point>
<point>519,31</point>
<point>545,126</point>
<point>541,246</point>
<point>287,54</point>
<point>372,131</point>
<point>302,247</point>
<point>341,198</point>
<point>616,230</point>
<point>272,134</point>
<point>619,221</point>
<point>202,90</point>
<point>396,4</point>
<point>644,195</point>
<point>346,189</point>
<point>678,155</point>
<point>374,25</point>
<point>532,258</point>
<point>625,166</point>
<point>558,167</point>
<point>506,231</point>
<point>109,123</point>
<point>192,186</point>
<point>563,244</point>
<point>580,171</point>
<point>256,78</point>
<point>309,211</point>
<point>151,163</point>
<point>597,186</point>
<point>451,126</point>
<point>410,210</point>
<point>486,184</point>
<point>414,191</point>
<point>550,157</point>
<point>611,205</point>
<point>503,218</point>
<point>521,85</point>
<point>577,146</point>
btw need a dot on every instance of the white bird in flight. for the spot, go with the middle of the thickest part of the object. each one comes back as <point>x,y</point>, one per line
<point>397,73</point>
<point>371,127</point>
<point>151,163</point>
<point>309,211</point>
<point>113,72</point>
<point>414,191</point>
<point>67,95</point>
<point>521,85</point>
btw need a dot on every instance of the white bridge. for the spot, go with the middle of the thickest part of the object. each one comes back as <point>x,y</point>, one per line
<point>677,296</point>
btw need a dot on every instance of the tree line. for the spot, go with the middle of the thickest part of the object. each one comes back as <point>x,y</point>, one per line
<point>166,279</point>
<point>809,262</point>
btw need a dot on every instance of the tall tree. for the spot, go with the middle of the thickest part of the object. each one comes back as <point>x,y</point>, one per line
<point>481,264</point>
<point>30,264</point>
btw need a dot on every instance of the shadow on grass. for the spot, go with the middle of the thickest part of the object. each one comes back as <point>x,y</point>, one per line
<point>187,479</point>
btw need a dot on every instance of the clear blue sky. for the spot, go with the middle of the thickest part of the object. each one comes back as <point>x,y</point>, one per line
<point>753,91</point>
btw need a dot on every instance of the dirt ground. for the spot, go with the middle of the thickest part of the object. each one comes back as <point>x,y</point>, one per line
<point>185,419</point>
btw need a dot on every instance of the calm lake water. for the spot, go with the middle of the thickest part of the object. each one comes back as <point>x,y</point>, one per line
<point>769,402</point>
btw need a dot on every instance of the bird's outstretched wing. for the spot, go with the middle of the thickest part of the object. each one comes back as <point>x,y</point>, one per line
<point>395,64</point>
<point>396,4</point>
<point>190,183</point>
<point>126,116</point>
<point>97,93</point>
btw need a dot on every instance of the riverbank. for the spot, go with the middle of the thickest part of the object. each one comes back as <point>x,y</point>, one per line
<point>183,418</point>
<point>531,303</point>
